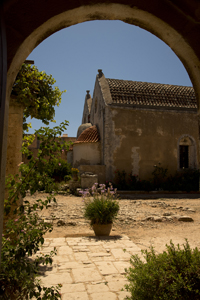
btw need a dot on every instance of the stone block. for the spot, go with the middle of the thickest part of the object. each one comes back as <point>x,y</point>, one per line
<point>86,274</point>
<point>88,180</point>
<point>54,279</point>
<point>73,185</point>
<point>75,296</point>
<point>100,170</point>
<point>106,295</point>
<point>106,268</point>
<point>73,287</point>
<point>97,287</point>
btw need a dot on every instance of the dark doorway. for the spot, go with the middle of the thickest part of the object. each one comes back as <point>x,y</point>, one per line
<point>184,158</point>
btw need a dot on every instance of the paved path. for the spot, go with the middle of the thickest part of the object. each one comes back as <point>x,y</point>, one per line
<point>89,268</point>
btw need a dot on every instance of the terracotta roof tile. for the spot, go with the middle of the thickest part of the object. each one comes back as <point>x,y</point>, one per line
<point>89,135</point>
<point>151,94</point>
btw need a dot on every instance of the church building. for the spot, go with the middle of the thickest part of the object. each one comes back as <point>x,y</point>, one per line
<point>132,126</point>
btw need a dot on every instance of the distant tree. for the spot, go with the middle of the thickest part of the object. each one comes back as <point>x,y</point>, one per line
<point>35,91</point>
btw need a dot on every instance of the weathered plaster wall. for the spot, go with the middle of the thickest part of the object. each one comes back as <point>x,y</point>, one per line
<point>15,131</point>
<point>101,98</point>
<point>136,140</point>
<point>97,113</point>
<point>86,154</point>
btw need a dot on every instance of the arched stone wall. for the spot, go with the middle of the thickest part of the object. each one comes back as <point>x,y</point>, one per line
<point>109,11</point>
<point>176,22</point>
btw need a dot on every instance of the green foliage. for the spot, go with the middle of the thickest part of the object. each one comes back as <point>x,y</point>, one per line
<point>21,240</point>
<point>100,204</point>
<point>159,176</point>
<point>34,89</point>
<point>61,169</point>
<point>184,180</point>
<point>120,179</point>
<point>173,274</point>
<point>48,165</point>
<point>24,230</point>
<point>67,178</point>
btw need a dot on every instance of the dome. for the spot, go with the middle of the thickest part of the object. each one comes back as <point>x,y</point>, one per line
<point>82,127</point>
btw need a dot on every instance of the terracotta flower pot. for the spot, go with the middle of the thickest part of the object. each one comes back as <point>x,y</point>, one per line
<point>102,229</point>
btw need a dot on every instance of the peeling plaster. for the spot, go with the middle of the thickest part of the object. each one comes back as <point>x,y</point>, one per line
<point>175,153</point>
<point>160,131</point>
<point>139,131</point>
<point>113,141</point>
<point>135,160</point>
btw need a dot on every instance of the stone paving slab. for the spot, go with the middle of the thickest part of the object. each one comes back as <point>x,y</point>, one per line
<point>89,267</point>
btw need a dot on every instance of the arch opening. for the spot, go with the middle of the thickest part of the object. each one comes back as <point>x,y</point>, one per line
<point>121,12</point>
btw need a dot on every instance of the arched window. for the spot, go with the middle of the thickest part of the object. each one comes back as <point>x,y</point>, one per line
<point>187,156</point>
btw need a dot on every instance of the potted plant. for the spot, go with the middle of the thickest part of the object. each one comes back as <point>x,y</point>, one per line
<point>75,172</point>
<point>101,208</point>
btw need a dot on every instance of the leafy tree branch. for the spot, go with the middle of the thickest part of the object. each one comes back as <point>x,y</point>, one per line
<point>35,91</point>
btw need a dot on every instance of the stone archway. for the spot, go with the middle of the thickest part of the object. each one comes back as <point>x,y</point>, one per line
<point>175,22</point>
<point>109,11</point>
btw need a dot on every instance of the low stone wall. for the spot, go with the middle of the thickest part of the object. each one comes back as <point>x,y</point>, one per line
<point>100,170</point>
<point>88,180</point>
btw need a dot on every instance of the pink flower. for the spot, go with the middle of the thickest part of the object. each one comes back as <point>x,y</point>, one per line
<point>63,150</point>
<point>59,164</point>
<point>16,220</point>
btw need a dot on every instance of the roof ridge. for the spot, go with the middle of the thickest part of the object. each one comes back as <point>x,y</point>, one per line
<point>151,94</point>
<point>153,83</point>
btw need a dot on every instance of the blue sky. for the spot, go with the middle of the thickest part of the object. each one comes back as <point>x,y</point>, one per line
<point>73,56</point>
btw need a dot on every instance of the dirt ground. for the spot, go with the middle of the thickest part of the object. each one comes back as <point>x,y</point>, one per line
<point>148,222</point>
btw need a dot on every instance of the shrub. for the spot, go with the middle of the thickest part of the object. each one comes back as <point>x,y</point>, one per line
<point>23,229</point>
<point>23,235</point>
<point>183,180</point>
<point>100,205</point>
<point>48,166</point>
<point>159,177</point>
<point>61,169</point>
<point>67,178</point>
<point>120,180</point>
<point>173,274</point>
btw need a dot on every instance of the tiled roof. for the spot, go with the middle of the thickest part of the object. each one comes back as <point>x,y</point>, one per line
<point>127,92</point>
<point>89,135</point>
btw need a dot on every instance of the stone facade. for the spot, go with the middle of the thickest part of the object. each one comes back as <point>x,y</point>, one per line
<point>144,124</point>
<point>86,154</point>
